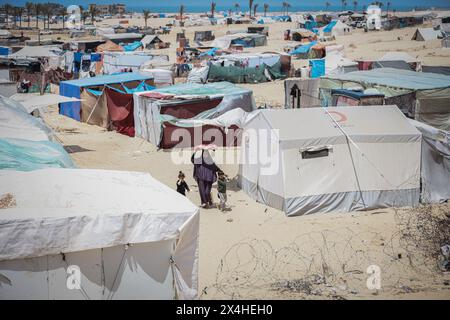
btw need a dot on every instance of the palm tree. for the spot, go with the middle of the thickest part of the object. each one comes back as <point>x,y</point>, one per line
<point>29,7</point>
<point>237,6</point>
<point>342,5</point>
<point>254,9</point>
<point>250,5</point>
<point>327,5</point>
<point>19,12</point>
<point>345,5</point>
<point>388,4</point>
<point>7,8</point>
<point>37,10</point>
<point>63,14</point>
<point>266,7</point>
<point>213,8</point>
<point>288,5</point>
<point>146,16</point>
<point>92,13</point>
<point>284,4</point>
<point>181,13</point>
<point>355,5</point>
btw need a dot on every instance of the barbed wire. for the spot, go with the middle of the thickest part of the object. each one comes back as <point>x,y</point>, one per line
<point>333,263</point>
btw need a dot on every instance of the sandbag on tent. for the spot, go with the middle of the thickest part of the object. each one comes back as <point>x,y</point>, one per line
<point>435,168</point>
<point>26,155</point>
<point>129,235</point>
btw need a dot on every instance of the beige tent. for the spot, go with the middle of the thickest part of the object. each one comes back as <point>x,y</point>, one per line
<point>342,159</point>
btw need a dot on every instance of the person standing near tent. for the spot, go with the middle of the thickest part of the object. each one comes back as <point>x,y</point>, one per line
<point>181,184</point>
<point>205,174</point>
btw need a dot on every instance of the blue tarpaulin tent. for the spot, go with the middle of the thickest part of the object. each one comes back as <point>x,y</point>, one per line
<point>72,88</point>
<point>317,68</point>
<point>303,49</point>
<point>132,46</point>
<point>329,26</point>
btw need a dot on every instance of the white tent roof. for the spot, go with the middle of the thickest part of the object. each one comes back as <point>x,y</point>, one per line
<point>398,56</point>
<point>68,210</point>
<point>15,122</point>
<point>427,33</point>
<point>4,33</point>
<point>33,101</point>
<point>36,52</point>
<point>365,123</point>
<point>119,36</point>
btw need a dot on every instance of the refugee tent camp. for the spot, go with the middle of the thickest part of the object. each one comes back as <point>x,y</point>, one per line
<point>331,159</point>
<point>244,39</point>
<point>435,168</point>
<point>422,96</point>
<point>426,34</point>
<point>249,67</point>
<point>107,100</point>
<point>129,235</point>
<point>158,113</point>
<point>336,28</point>
<point>114,62</point>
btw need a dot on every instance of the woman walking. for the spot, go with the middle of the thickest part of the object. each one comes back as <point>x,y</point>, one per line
<point>205,173</point>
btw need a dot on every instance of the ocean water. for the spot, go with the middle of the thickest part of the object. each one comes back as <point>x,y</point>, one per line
<point>197,8</point>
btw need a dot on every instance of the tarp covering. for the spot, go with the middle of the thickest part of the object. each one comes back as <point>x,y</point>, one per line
<point>34,101</point>
<point>317,68</point>
<point>397,78</point>
<point>70,210</point>
<point>26,155</point>
<point>303,49</point>
<point>120,110</point>
<point>73,88</point>
<point>109,46</point>
<point>435,169</point>
<point>132,46</point>
<point>426,34</point>
<point>16,123</point>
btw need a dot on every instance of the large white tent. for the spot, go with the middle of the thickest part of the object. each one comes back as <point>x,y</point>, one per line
<point>128,235</point>
<point>331,159</point>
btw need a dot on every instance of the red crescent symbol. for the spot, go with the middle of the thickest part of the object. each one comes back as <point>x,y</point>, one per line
<point>341,118</point>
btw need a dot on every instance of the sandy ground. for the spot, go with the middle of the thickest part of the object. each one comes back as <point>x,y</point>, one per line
<point>254,251</point>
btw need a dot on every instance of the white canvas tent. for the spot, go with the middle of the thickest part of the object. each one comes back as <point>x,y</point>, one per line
<point>130,236</point>
<point>114,62</point>
<point>426,34</point>
<point>334,159</point>
<point>398,56</point>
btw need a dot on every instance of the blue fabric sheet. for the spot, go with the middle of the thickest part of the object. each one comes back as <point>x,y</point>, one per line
<point>25,155</point>
<point>303,49</point>
<point>317,68</point>
<point>329,26</point>
<point>132,46</point>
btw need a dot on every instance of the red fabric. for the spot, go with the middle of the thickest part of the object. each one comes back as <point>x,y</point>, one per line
<point>365,65</point>
<point>190,108</point>
<point>120,109</point>
<point>216,136</point>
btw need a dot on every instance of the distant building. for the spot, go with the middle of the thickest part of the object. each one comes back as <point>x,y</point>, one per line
<point>104,9</point>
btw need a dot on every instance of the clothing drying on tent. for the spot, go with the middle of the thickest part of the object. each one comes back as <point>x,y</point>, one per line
<point>332,159</point>
<point>160,115</point>
<point>107,100</point>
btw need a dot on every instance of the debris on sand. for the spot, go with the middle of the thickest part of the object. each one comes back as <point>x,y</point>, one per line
<point>7,201</point>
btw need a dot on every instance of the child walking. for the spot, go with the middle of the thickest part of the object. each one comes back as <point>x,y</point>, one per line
<point>222,190</point>
<point>181,184</point>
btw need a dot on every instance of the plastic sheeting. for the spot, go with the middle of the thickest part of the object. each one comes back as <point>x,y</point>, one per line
<point>435,169</point>
<point>72,210</point>
<point>25,155</point>
<point>303,49</point>
<point>16,123</point>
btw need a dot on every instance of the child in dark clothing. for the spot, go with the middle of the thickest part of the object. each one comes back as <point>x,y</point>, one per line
<point>181,184</point>
<point>222,190</point>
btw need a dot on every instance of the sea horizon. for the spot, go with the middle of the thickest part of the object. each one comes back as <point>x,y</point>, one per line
<point>272,9</point>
